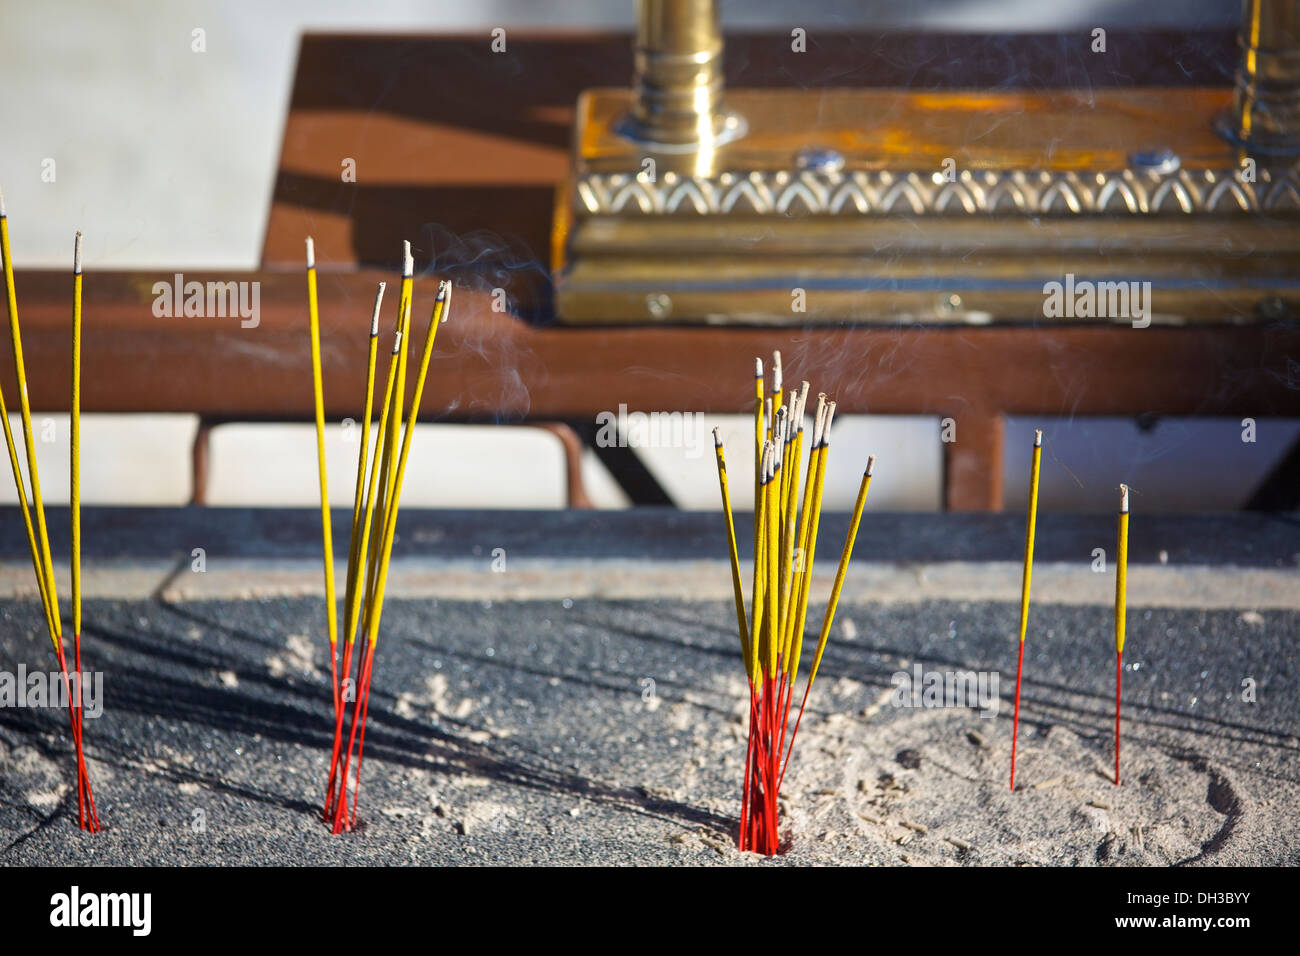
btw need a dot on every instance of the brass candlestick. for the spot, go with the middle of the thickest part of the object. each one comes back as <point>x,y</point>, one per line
<point>691,203</point>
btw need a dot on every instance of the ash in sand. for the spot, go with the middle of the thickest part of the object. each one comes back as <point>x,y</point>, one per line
<point>922,688</point>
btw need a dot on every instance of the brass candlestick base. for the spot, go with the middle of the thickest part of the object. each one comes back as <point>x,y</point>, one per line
<point>807,206</point>
<point>935,207</point>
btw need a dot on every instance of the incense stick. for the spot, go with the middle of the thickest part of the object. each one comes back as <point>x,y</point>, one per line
<point>83,779</point>
<point>358,494</point>
<point>785,538</point>
<point>1121,601</point>
<point>34,517</point>
<point>737,587</point>
<point>327,537</point>
<point>377,497</point>
<point>836,587</point>
<point>375,611</point>
<point>1024,590</point>
<point>365,547</point>
<point>38,560</point>
<point>20,373</point>
<point>362,510</point>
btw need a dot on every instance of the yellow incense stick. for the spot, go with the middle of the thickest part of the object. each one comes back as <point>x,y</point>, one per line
<point>801,560</point>
<point>75,478</point>
<point>1121,571</point>
<point>778,392</point>
<point>368,547</point>
<point>20,373</point>
<point>1121,600</point>
<point>327,537</point>
<point>758,613</point>
<point>773,563</point>
<point>841,571</point>
<point>731,546</point>
<point>788,527</point>
<point>758,475</point>
<point>758,627</point>
<point>809,554</point>
<point>395,424</point>
<point>21,487</point>
<point>778,494</point>
<point>1024,593</point>
<point>388,437</point>
<point>388,473</point>
<point>27,521</point>
<point>359,494</point>
<point>1029,534</point>
<point>390,524</point>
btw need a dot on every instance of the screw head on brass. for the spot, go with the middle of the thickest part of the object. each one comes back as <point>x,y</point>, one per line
<point>659,305</point>
<point>1159,161</point>
<point>819,160</point>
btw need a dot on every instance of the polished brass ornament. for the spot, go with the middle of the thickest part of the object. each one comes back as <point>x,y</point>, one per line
<point>688,203</point>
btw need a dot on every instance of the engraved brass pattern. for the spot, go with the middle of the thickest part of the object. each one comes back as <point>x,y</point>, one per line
<point>971,193</point>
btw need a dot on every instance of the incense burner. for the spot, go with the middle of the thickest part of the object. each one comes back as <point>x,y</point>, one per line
<point>688,203</point>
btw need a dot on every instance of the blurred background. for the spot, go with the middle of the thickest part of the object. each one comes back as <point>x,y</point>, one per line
<point>165,158</point>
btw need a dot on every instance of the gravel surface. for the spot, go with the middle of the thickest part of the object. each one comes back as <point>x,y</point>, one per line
<point>528,732</point>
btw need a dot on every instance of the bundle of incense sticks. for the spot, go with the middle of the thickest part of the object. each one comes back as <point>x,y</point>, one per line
<point>786,523</point>
<point>37,535</point>
<point>379,496</point>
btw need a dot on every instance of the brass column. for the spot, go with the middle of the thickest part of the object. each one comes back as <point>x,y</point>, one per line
<point>678,84</point>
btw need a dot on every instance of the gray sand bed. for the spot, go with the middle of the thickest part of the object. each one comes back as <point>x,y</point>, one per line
<point>526,732</point>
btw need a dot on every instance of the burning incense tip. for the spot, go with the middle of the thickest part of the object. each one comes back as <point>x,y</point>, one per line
<point>444,293</point>
<point>374,318</point>
<point>826,429</point>
<point>76,255</point>
<point>871,464</point>
<point>408,263</point>
<point>758,368</point>
<point>397,342</point>
<point>1123,498</point>
<point>311,253</point>
<point>2,203</point>
<point>1038,438</point>
<point>717,437</point>
<point>776,371</point>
